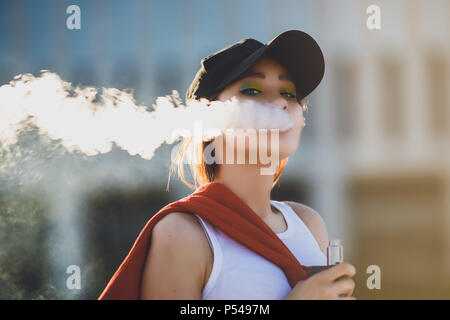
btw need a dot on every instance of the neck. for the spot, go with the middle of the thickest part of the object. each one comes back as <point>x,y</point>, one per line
<point>249,184</point>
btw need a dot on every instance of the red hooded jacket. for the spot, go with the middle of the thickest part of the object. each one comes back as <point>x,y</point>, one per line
<point>222,208</point>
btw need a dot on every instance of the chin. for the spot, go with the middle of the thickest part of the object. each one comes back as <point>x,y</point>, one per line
<point>288,146</point>
<point>286,153</point>
<point>285,150</point>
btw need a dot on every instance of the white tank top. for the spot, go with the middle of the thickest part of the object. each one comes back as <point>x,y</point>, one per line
<point>238,273</point>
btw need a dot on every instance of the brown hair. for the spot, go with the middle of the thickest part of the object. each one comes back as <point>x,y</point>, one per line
<point>203,172</point>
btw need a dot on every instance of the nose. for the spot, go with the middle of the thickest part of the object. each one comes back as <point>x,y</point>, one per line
<point>281,102</point>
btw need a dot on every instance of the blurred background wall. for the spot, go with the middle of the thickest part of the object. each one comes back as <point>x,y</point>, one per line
<point>374,158</point>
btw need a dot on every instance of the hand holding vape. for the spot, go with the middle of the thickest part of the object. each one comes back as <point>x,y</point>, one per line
<point>335,255</point>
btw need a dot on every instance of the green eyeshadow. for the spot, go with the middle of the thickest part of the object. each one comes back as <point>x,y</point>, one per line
<point>287,90</point>
<point>252,85</point>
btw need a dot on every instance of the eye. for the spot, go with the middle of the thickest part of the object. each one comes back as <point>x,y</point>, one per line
<point>250,91</point>
<point>289,95</point>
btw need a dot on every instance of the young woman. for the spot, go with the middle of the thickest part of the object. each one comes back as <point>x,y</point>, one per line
<point>228,239</point>
<point>190,257</point>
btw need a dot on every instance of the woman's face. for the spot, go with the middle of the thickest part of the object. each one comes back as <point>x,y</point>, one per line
<point>270,83</point>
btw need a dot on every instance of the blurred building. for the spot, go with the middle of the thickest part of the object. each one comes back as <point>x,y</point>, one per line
<point>381,120</point>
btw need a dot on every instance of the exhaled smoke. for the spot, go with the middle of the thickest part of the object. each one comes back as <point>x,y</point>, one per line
<point>90,120</point>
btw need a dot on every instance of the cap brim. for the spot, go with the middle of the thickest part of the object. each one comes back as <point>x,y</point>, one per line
<point>297,51</point>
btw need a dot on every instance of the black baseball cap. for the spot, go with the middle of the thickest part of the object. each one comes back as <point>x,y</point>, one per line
<point>295,50</point>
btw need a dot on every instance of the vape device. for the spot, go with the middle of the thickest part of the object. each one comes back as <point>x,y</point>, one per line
<point>335,255</point>
<point>335,252</point>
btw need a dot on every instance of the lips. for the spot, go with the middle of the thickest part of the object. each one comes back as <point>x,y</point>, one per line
<point>286,131</point>
<point>288,128</point>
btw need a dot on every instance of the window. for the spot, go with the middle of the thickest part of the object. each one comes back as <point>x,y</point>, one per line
<point>436,82</point>
<point>391,79</point>
<point>345,107</point>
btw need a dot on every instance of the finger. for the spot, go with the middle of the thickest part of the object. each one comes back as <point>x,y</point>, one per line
<point>347,298</point>
<point>337,271</point>
<point>343,287</point>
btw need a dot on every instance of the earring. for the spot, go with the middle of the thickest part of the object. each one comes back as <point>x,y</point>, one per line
<point>304,121</point>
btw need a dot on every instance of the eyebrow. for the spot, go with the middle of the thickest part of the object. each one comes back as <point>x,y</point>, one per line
<point>253,74</point>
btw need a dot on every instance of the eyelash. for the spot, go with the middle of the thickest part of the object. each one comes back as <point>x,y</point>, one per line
<point>245,92</point>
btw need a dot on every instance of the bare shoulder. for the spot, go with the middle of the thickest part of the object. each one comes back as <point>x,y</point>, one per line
<point>182,232</point>
<point>179,226</point>
<point>313,221</point>
<point>179,247</point>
